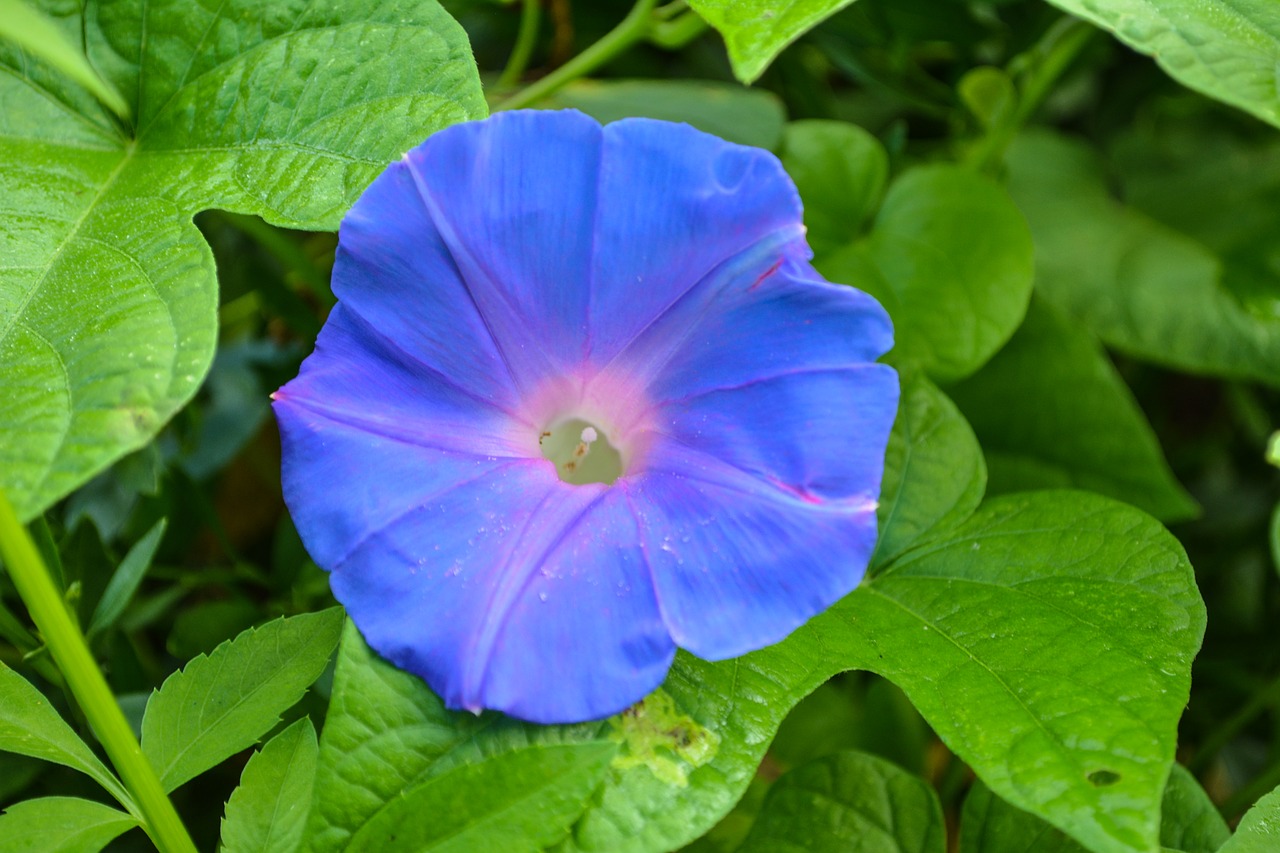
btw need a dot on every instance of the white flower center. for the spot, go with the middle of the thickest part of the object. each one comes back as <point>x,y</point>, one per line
<point>581,452</point>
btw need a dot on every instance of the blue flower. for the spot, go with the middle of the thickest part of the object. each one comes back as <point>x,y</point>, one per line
<point>584,400</point>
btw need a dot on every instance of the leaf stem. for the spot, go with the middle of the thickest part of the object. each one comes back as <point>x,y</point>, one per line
<point>526,38</point>
<point>632,29</point>
<point>70,652</point>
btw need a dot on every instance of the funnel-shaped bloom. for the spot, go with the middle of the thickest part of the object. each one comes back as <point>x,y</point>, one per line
<point>582,401</point>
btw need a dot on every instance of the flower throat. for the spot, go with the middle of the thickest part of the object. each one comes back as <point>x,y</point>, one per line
<point>581,453</point>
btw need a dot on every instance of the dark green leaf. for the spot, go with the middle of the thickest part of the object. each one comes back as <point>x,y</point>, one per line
<point>107,292</point>
<point>840,170</point>
<point>756,31</point>
<point>1051,412</point>
<point>267,812</point>
<point>849,801</point>
<point>1189,821</point>
<point>950,258</point>
<point>124,583</point>
<point>220,704</point>
<point>61,825</point>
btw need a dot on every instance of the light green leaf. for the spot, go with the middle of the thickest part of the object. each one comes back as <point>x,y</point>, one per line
<point>108,295</point>
<point>746,116</point>
<point>756,31</point>
<point>523,801</point>
<point>934,473</point>
<point>840,170</point>
<point>1051,412</point>
<point>950,258</point>
<point>848,801</point>
<point>1048,640</point>
<point>1141,287</point>
<point>1189,821</point>
<point>30,726</point>
<point>33,32</point>
<point>1259,829</point>
<point>220,704</point>
<point>61,825</point>
<point>1223,48</point>
<point>124,582</point>
<point>267,812</point>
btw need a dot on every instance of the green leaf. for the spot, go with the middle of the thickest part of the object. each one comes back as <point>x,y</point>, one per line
<point>524,800</point>
<point>746,116</point>
<point>61,825</point>
<point>934,473</point>
<point>1051,412</point>
<point>840,170</point>
<point>220,704</point>
<point>950,258</point>
<point>1048,640</point>
<point>1259,829</point>
<point>30,726</point>
<point>108,295</point>
<point>33,32</point>
<point>124,583</point>
<point>849,801</point>
<point>267,812</point>
<point>756,31</point>
<point>1189,821</point>
<point>1223,48</point>
<point>1141,287</point>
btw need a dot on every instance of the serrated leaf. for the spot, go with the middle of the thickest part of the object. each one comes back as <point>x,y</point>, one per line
<point>1223,48</point>
<point>108,295</point>
<point>934,472</point>
<point>268,810</point>
<point>220,704</point>
<point>522,801</point>
<point>746,116</point>
<point>124,582</point>
<point>1141,287</point>
<point>30,726</point>
<point>61,825</point>
<point>756,31</point>
<point>840,170</point>
<point>1048,640</point>
<point>848,801</point>
<point>950,258</point>
<point>1259,829</point>
<point>1051,412</point>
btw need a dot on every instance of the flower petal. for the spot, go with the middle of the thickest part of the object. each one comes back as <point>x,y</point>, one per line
<point>675,203</point>
<point>738,564</point>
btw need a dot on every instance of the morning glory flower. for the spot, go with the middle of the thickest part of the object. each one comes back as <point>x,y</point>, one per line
<point>583,401</point>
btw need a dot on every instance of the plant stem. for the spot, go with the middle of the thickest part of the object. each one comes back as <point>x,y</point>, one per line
<point>71,653</point>
<point>677,32</point>
<point>526,38</point>
<point>633,28</point>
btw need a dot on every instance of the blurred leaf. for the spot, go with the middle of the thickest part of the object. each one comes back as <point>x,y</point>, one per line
<point>35,33</point>
<point>1051,412</point>
<point>1223,48</point>
<point>746,116</point>
<point>1259,829</point>
<point>1047,640</point>
<point>950,258</point>
<point>1141,287</point>
<point>108,295</point>
<point>840,170</point>
<point>61,825</point>
<point>29,726</point>
<point>1189,821</point>
<point>845,802</point>
<point>124,583</point>
<point>267,812</point>
<point>989,94</point>
<point>525,800</point>
<point>16,773</point>
<point>199,629</point>
<point>934,473</point>
<point>220,704</point>
<point>756,31</point>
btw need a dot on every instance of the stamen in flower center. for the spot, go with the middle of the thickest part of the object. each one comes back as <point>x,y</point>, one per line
<point>581,453</point>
